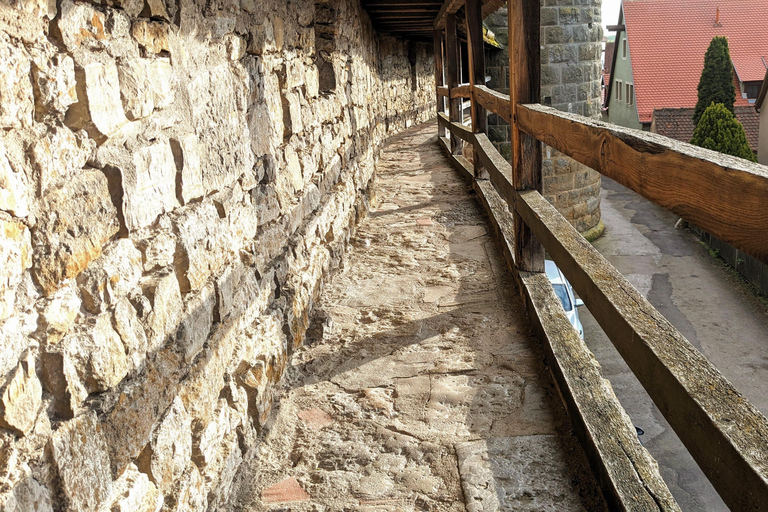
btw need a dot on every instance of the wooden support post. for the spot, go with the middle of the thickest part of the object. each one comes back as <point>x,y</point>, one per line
<point>452,68</point>
<point>474,12</point>
<point>525,87</point>
<point>438,42</point>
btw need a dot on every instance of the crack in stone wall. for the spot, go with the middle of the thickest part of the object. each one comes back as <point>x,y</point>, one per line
<point>177,178</point>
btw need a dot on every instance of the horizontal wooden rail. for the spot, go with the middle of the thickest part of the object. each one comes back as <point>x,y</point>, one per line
<point>628,474</point>
<point>724,195</point>
<point>442,91</point>
<point>459,130</point>
<point>626,470</point>
<point>493,101</point>
<point>721,429</point>
<point>462,91</point>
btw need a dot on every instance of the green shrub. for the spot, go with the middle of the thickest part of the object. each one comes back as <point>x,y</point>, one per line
<point>719,130</point>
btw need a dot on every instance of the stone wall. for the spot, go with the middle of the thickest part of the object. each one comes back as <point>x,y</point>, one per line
<point>176,179</point>
<point>571,49</point>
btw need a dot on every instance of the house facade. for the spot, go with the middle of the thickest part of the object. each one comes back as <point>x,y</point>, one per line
<point>659,55</point>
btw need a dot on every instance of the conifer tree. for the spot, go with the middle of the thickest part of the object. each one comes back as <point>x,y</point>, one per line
<point>719,130</point>
<point>716,82</point>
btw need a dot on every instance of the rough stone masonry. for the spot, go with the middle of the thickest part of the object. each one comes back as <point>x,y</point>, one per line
<point>176,179</point>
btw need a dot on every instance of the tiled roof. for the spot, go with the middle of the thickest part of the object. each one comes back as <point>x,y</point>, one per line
<point>677,123</point>
<point>668,39</point>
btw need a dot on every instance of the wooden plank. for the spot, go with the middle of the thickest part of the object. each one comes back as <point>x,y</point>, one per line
<point>461,91</point>
<point>721,429</point>
<point>499,170</point>
<point>449,7</point>
<point>627,473</point>
<point>494,101</point>
<point>437,42</point>
<point>524,83</point>
<point>452,77</point>
<point>456,129</point>
<point>476,58</point>
<point>724,195</point>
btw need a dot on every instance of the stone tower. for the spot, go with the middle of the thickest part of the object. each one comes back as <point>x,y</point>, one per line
<point>571,37</point>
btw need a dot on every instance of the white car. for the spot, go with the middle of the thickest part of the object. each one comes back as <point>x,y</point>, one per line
<point>564,292</point>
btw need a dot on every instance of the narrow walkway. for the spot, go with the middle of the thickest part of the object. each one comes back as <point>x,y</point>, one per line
<point>421,388</point>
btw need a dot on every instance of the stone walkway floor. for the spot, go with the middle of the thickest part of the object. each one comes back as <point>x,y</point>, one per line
<point>421,387</point>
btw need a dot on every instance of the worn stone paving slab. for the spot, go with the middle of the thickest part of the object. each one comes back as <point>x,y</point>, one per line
<point>419,364</point>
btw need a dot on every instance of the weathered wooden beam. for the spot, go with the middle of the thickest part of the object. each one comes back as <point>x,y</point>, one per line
<point>499,170</point>
<point>721,429</point>
<point>525,87</point>
<point>724,195</point>
<point>439,77</point>
<point>627,473</point>
<point>457,129</point>
<point>452,76</point>
<point>476,57</point>
<point>449,7</point>
<point>496,102</point>
<point>461,91</point>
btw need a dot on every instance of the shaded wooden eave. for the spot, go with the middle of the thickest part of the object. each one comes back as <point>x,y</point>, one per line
<point>415,19</point>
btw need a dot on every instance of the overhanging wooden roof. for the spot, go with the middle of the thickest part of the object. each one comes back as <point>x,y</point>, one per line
<point>416,18</point>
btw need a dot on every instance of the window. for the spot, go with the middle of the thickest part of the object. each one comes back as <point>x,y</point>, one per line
<point>624,48</point>
<point>618,87</point>
<point>752,89</point>
<point>562,294</point>
<point>630,94</point>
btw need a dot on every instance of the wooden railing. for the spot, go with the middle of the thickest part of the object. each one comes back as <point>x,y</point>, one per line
<point>726,196</point>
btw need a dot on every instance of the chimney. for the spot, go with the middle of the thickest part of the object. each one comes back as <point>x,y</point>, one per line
<point>717,18</point>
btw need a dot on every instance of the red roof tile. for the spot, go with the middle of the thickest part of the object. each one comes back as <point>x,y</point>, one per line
<point>677,123</point>
<point>668,39</point>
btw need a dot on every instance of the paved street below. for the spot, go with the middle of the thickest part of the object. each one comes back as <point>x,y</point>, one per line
<point>712,306</point>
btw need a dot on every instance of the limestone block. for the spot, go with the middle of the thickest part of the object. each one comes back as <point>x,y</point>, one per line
<point>75,222</point>
<point>58,313</point>
<point>145,85</point>
<point>110,277</point>
<point>158,250</point>
<point>188,493</point>
<point>149,186</point>
<point>21,492</point>
<point>14,344</point>
<point>16,253</point>
<point>14,190</point>
<point>163,293</point>
<point>80,455</point>
<point>292,168</point>
<point>17,101</point>
<point>208,439</point>
<point>54,84</point>
<point>131,332</point>
<point>156,9</point>
<point>58,154</point>
<point>292,114</point>
<point>235,46</point>
<point>220,473</point>
<point>97,354</point>
<point>133,491</point>
<point>99,110</point>
<point>81,24</point>
<point>204,245</point>
<point>152,36</point>
<point>186,154</point>
<point>170,447</point>
<point>20,400</point>
<point>196,322</point>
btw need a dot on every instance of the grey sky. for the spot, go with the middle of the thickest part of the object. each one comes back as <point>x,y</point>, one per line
<point>611,12</point>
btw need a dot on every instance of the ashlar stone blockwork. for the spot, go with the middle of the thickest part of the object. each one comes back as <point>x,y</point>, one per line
<point>177,178</point>
<point>571,37</point>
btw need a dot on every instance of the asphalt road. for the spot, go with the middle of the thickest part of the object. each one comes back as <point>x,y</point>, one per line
<point>717,311</point>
